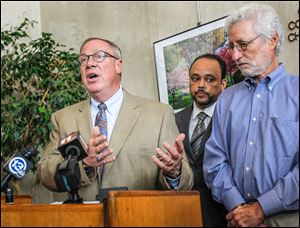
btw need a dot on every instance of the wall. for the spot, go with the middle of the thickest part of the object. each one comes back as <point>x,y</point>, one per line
<point>134,26</point>
<point>13,12</point>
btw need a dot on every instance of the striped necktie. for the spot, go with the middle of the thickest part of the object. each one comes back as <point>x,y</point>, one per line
<point>101,122</point>
<point>198,133</point>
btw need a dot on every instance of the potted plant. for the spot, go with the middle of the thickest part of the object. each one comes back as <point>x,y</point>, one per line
<point>38,77</point>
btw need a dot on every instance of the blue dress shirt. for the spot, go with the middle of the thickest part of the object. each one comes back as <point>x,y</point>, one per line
<point>253,151</point>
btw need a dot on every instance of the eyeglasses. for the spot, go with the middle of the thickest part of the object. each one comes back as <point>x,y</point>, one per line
<point>240,45</point>
<point>98,57</point>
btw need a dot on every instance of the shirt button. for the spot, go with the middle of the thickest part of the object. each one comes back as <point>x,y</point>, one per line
<point>251,143</point>
<point>248,194</point>
<point>254,119</point>
<point>247,168</point>
<point>258,95</point>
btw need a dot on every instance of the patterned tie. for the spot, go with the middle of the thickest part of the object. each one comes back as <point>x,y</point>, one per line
<point>198,133</point>
<point>101,122</point>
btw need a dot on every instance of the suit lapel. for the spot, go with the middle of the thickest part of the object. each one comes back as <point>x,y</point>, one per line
<point>84,120</point>
<point>183,125</point>
<point>126,120</point>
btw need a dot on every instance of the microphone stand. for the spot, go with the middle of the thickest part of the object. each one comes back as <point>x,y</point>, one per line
<point>73,196</point>
<point>9,195</point>
<point>5,180</point>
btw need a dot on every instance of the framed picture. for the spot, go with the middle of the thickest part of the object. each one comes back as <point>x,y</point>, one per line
<point>174,55</point>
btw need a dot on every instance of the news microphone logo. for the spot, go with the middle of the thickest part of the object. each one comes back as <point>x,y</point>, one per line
<point>18,166</point>
<point>74,145</point>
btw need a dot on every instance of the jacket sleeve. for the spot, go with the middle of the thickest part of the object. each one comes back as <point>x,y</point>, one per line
<point>169,132</point>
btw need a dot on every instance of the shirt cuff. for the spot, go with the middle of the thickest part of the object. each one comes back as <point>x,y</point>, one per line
<point>270,203</point>
<point>173,182</point>
<point>89,171</point>
<point>232,198</point>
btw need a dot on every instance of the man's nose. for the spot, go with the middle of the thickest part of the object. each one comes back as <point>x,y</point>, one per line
<point>91,62</point>
<point>201,83</point>
<point>236,54</point>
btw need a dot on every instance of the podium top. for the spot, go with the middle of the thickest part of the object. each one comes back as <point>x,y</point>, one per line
<point>18,199</point>
<point>138,193</point>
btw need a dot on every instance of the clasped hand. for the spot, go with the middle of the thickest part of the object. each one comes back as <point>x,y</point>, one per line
<point>247,215</point>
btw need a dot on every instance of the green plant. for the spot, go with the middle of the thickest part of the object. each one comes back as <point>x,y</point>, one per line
<point>38,77</point>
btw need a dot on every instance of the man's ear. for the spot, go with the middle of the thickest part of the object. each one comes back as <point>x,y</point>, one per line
<point>274,41</point>
<point>223,84</point>
<point>119,66</point>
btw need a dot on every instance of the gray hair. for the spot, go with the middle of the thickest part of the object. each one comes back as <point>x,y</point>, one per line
<point>116,50</point>
<point>266,21</point>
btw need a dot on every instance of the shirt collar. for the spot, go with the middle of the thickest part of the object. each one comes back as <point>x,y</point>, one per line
<point>271,80</point>
<point>111,102</point>
<point>208,110</point>
<point>276,75</point>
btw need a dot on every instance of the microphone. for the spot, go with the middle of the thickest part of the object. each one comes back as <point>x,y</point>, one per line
<point>67,176</point>
<point>73,145</point>
<point>18,165</point>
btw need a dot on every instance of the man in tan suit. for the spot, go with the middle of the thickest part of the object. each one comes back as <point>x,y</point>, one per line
<point>136,130</point>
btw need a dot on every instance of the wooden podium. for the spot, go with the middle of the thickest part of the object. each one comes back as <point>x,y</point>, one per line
<point>23,213</point>
<point>154,208</point>
<point>123,208</point>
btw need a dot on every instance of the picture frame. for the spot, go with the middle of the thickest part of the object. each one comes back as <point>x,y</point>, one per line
<point>175,54</point>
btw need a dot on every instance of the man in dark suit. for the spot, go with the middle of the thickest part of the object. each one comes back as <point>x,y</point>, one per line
<point>207,80</point>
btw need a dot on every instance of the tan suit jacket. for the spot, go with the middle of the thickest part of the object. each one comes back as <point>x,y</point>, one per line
<point>141,126</point>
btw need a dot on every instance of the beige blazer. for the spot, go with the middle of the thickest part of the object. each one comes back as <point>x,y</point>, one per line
<point>141,126</point>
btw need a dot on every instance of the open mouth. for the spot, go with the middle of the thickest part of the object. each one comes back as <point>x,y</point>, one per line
<point>91,76</point>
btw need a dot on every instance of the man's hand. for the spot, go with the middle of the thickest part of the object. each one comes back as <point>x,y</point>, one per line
<point>248,215</point>
<point>98,152</point>
<point>170,162</point>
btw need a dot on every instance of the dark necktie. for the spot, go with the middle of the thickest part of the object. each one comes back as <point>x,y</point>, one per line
<point>101,122</point>
<point>198,133</point>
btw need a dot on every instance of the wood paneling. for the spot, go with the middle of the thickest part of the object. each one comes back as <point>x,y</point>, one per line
<point>154,208</point>
<point>42,215</point>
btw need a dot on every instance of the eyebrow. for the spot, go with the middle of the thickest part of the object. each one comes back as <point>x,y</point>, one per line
<point>240,40</point>
<point>205,75</point>
<point>93,51</point>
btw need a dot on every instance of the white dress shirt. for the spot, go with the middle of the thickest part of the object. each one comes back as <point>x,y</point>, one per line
<point>194,120</point>
<point>113,107</point>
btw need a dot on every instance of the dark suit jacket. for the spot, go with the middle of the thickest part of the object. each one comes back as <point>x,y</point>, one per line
<point>213,213</point>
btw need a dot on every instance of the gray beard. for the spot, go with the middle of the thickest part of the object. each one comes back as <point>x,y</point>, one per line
<point>255,71</point>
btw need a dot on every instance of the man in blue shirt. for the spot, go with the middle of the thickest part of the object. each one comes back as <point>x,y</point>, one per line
<point>251,162</point>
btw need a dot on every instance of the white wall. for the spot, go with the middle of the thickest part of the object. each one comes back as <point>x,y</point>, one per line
<point>13,12</point>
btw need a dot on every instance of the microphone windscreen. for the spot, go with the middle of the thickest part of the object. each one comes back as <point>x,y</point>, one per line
<point>18,166</point>
<point>30,153</point>
<point>73,145</point>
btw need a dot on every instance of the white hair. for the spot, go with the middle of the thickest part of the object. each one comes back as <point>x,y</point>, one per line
<point>266,21</point>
